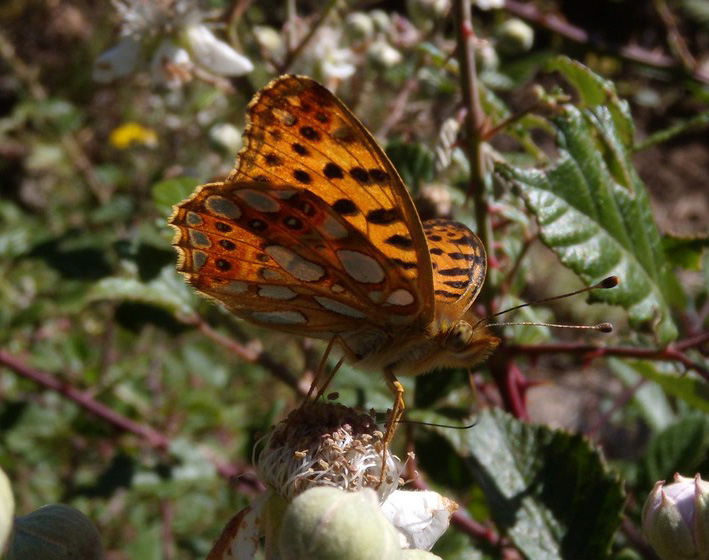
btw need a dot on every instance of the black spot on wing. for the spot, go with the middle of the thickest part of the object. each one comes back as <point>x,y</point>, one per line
<point>360,175</point>
<point>400,241</point>
<point>456,271</point>
<point>345,207</point>
<point>445,293</point>
<point>461,256</point>
<point>302,176</point>
<point>458,284</point>
<point>333,171</point>
<point>300,149</point>
<point>384,216</point>
<point>406,265</point>
<point>310,133</point>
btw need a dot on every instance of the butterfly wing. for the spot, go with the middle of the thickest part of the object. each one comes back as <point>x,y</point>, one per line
<point>281,257</point>
<point>459,265</point>
<point>299,133</point>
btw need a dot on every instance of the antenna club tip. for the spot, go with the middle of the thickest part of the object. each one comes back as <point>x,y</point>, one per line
<point>605,327</point>
<point>610,282</point>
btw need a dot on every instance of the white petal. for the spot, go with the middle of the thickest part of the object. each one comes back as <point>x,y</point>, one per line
<point>167,59</point>
<point>118,61</point>
<point>215,55</point>
<point>240,538</point>
<point>420,517</point>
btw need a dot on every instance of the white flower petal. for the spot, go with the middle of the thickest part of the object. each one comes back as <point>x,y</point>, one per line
<point>337,64</point>
<point>215,55</point>
<point>168,58</point>
<point>7,509</point>
<point>240,538</point>
<point>420,517</point>
<point>117,61</point>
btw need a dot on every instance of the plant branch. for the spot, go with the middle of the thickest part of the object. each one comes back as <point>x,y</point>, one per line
<point>474,125</point>
<point>631,53</point>
<point>673,353</point>
<point>295,52</point>
<point>84,400</point>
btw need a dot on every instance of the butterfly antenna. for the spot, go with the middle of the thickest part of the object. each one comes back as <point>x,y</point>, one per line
<point>605,284</point>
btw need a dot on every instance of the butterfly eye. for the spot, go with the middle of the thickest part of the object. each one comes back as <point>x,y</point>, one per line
<point>459,337</point>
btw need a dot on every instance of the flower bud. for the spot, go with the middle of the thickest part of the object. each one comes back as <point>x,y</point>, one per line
<point>359,27</point>
<point>413,554</point>
<point>675,519</point>
<point>324,523</point>
<point>55,532</point>
<point>382,54</point>
<point>514,37</point>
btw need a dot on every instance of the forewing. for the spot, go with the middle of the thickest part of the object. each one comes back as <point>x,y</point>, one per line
<point>459,266</point>
<point>299,133</point>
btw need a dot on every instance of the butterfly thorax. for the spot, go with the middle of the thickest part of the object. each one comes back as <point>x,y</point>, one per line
<point>422,348</point>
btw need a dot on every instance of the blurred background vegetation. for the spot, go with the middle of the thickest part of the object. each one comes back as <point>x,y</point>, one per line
<point>129,397</point>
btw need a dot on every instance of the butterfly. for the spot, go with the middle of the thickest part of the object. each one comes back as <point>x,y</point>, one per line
<point>314,233</point>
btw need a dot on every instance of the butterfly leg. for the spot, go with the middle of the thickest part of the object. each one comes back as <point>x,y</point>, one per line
<point>397,412</point>
<point>321,381</point>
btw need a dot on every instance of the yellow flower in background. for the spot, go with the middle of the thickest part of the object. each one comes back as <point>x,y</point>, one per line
<point>131,133</point>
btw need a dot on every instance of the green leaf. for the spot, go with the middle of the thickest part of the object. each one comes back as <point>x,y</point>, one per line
<point>594,214</point>
<point>414,162</point>
<point>685,252</point>
<point>652,401</point>
<point>693,391</point>
<point>682,448</point>
<point>550,491</point>
<point>169,192</point>
<point>594,91</point>
<point>167,291</point>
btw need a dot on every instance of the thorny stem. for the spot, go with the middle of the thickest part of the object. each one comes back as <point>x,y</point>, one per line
<point>672,353</point>
<point>86,401</point>
<point>474,125</point>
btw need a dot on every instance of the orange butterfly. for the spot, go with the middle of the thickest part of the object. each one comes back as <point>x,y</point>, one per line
<point>314,233</point>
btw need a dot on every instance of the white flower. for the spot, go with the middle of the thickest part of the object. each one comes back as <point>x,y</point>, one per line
<point>215,55</point>
<point>419,517</point>
<point>171,35</point>
<point>118,61</point>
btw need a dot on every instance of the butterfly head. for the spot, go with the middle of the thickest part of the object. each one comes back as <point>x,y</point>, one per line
<point>464,344</point>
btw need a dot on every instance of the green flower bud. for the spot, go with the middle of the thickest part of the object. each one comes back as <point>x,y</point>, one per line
<point>55,532</point>
<point>270,39</point>
<point>675,519</point>
<point>324,523</point>
<point>382,54</point>
<point>359,27</point>
<point>381,20</point>
<point>514,37</point>
<point>413,554</point>
<point>7,508</point>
